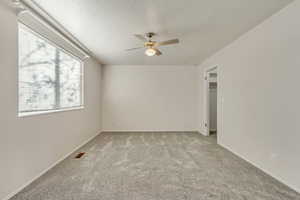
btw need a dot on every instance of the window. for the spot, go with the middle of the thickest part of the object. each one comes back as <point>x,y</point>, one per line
<point>49,78</point>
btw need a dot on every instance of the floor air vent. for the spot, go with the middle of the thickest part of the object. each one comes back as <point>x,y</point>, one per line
<point>79,155</point>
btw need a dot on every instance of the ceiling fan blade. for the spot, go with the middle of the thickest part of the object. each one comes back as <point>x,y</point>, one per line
<point>141,37</point>
<point>168,42</point>
<point>158,52</point>
<point>133,49</point>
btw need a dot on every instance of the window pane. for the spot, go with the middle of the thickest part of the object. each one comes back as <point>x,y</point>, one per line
<point>49,78</point>
<point>70,81</point>
<point>36,73</point>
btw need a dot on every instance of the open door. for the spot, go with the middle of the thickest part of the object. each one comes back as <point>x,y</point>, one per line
<point>206,100</point>
<point>210,101</point>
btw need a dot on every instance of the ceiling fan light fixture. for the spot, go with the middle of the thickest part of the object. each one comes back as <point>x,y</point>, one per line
<point>150,52</point>
<point>151,45</point>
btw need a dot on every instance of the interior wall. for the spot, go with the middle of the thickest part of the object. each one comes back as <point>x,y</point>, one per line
<point>30,145</point>
<point>259,98</point>
<point>149,98</point>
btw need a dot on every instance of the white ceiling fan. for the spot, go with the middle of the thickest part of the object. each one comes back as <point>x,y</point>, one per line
<point>150,45</point>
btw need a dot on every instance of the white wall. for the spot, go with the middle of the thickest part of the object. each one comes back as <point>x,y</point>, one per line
<point>30,145</point>
<point>259,85</point>
<point>149,98</point>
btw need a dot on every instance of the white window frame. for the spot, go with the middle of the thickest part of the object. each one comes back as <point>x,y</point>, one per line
<point>55,110</point>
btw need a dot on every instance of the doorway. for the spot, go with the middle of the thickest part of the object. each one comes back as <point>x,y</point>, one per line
<point>210,101</point>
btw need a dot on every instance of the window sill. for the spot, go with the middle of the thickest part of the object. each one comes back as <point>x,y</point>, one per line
<point>49,111</point>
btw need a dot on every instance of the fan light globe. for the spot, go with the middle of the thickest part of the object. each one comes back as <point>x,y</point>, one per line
<point>150,52</point>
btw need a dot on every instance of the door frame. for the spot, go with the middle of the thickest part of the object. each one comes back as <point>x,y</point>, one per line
<point>206,116</point>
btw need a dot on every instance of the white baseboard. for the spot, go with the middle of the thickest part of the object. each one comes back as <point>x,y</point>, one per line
<point>203,132</point>
<point>150,131</point>
<point>293,187</point>
<point>46,170</point>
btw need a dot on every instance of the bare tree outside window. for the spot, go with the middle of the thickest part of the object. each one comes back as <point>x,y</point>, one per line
<point>49,78</point>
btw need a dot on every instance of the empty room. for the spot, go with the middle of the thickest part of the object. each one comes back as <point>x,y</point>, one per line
<point>149,100</point>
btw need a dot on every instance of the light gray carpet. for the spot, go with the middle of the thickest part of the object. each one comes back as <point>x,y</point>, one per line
<point>155,166</point>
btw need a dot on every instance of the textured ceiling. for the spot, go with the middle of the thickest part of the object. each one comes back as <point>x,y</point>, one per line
<point>106,27</point>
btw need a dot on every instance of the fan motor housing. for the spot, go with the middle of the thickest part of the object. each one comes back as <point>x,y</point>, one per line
<point>149,44</point>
